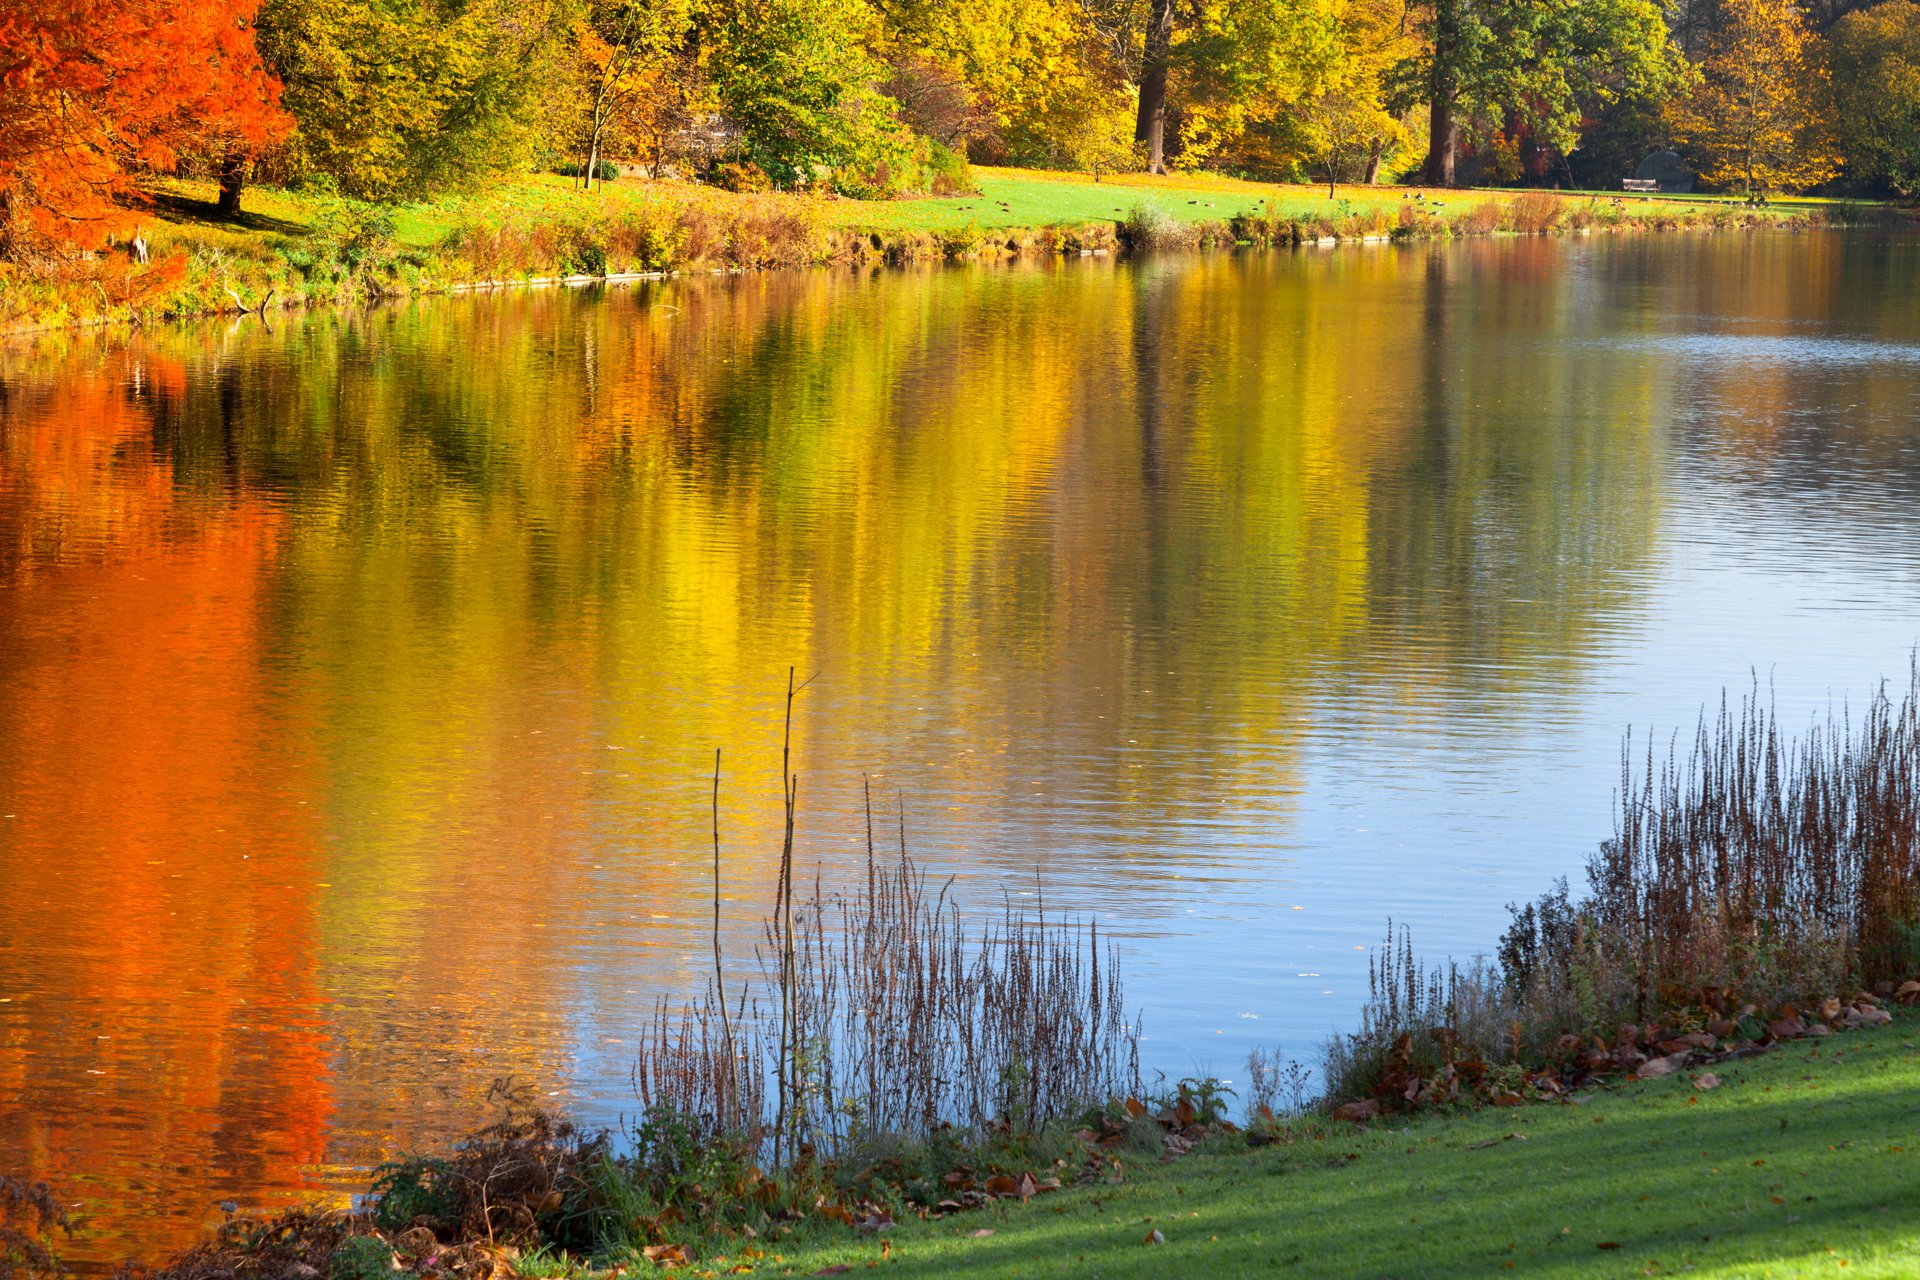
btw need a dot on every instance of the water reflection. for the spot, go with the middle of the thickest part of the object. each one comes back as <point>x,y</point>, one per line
<point>359,679</point>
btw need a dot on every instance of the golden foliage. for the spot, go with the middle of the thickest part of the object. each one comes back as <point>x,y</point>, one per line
<point>1756,116</point>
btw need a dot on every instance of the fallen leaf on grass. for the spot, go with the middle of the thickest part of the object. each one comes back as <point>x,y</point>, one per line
<point>982,1233</point>
<point>665,1255</point>
<point>1655,1067</point>
<point>1608,1244</point>
<point>1494,1142</point>
<point>1706,1080</point>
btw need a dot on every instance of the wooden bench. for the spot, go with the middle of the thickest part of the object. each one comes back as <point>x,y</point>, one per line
<point>1639,184</point>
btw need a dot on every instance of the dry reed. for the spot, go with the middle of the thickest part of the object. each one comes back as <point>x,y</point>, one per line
<point>883,1012</point>
<point>1755,872</point>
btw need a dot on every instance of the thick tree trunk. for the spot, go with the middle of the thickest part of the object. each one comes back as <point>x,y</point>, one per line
<point>1150,128</point>
<point>233,177</point>
<point>1439,172</point>
<point>1373,163</point>
<point>1442,87</point>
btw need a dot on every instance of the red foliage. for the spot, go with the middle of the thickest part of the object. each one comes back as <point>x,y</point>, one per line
<point>93,90</point>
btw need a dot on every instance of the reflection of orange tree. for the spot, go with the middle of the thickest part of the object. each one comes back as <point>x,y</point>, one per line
<point>1073,507</point>
<point>166,1014</point>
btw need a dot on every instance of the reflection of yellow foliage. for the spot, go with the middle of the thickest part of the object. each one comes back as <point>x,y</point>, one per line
<point>484,583</point>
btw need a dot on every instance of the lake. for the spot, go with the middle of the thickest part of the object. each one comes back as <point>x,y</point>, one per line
<point>360,677</point>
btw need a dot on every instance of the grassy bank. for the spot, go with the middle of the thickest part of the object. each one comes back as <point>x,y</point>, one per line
<point>1792,1162</point>
<point>293,249</point>
<point>1800,1162</point>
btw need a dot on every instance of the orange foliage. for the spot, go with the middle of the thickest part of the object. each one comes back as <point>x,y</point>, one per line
<point>92,90</point>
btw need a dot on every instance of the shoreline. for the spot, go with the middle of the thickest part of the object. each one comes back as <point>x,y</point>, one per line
<point>294,253</point>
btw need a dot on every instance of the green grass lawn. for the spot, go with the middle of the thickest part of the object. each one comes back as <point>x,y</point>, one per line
<point>1007,198</point>
<point>1803,1162</point>
<point>1025,198</point>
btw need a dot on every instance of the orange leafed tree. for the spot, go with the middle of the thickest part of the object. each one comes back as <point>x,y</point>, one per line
<point>94,91</point>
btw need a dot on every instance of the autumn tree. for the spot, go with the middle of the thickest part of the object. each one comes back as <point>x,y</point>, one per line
<point>636,55</point>
<point>1756,119</point>
<point>399,98</point>
<point>1287,86</point>
<point>1874,55</point>
<point>93,92</point>
<point>1037,70</point>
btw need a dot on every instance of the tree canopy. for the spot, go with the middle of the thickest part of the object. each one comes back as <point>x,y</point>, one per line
<point>1757,118</point>
<point>398,99</point>
<point>92,91</point>
<point>1876,84</point>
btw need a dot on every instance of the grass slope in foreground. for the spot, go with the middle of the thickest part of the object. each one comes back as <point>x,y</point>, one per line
<point>1804,1161</point>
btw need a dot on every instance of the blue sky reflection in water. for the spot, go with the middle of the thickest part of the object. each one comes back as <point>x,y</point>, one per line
<point>359,679</point>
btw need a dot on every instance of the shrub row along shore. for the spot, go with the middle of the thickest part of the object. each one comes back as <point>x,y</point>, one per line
<point>890,1063</point>
<point>349,253</point>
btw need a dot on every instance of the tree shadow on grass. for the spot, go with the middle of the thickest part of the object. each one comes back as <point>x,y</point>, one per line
<point>186,211</point>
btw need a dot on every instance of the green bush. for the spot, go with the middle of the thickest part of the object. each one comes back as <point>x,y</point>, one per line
<point>361,1258</point>
<point>603,170</point>
<point>412,1189</point>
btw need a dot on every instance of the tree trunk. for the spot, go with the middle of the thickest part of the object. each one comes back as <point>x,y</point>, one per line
<point>1440,95</point>
<point>1439,172</point>
<point>1372,174</point>
<point>1150,128</point>
<point>233,177</point>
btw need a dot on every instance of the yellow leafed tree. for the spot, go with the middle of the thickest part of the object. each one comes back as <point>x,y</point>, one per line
<point>1756,117</point>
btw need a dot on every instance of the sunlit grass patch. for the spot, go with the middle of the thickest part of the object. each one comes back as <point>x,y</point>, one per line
<point>1800,1162</point>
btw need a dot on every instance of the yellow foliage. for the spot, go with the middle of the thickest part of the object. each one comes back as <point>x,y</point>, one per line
<point>1756,117</point>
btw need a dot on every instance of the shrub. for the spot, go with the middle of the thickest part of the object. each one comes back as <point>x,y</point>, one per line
<point>947,171</point>
<point>1534,213</point>
<point>603,170</point>
<point>361,1258</point>
<point>1482,219</point>
<point>1148,228</point>
<point>415,1189</point>
<point>959,242</point>
<point>741,175</point>
<point>1263,229</point>
<point>28,1215</point>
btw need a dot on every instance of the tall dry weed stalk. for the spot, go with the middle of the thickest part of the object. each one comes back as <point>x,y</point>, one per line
<point>884,1011</point>
<point>1756,868</point>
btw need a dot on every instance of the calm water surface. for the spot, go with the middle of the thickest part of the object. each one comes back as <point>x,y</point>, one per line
<point>359,679</point>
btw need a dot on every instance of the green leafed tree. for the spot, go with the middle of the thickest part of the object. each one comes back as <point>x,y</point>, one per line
<point>1539,64</point>
<point>798,77</point>
<point>1875,59</point>
<point>399,98</point>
